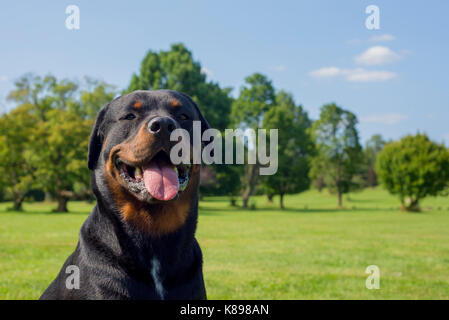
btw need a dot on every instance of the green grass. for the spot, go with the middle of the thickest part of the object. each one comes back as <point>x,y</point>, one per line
<point>308,251</point>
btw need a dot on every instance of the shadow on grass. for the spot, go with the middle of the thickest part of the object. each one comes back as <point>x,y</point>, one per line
<point>343,210</point>
<point>25,212</point>
<point>207,212</point>
<point>48,208</point>
<point>46,211</point>
<point>213,210</point>
<point>69,212</point>
<point>207,208</point>
<point>362,200</point>
<point>215,200</point>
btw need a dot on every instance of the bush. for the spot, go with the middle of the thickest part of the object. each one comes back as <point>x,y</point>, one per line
<point>413,168</point>
<point>35,195</point>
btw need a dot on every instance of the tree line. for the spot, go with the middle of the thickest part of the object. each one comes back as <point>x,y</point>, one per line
<point>43,140</point>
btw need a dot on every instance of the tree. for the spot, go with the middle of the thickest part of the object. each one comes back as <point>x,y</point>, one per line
<point>60,151</point>
<point>48,93</point>
<point>318,181</point>
<point>229,182</point>
<point>373,146</point>
<point>294,147</point>
<point>17,173</point>
<point>221,180</point>
<point>91,98</point>
<point>63,113</point>
<point>175,69</point>
<point>413,168</point>
<point>40,93</point>
<point>256,98</point>
<point>338,151</point>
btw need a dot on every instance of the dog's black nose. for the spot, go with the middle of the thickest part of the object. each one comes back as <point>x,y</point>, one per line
<point>161,125</point>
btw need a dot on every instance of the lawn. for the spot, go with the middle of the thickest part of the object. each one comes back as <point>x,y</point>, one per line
<point>310,250</point>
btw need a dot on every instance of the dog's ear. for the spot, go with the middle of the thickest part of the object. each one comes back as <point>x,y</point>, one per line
<point>204,124</point>
<point>96,140</point>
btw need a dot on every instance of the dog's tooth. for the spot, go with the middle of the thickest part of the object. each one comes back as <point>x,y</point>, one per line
<point>183,185</point>
<point>138,173</point>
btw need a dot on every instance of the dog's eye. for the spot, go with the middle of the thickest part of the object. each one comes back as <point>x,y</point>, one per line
<point>129,116</point>
<point>183,116</point>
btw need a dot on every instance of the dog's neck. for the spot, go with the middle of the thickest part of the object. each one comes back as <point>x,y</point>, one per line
<point>140,250</point>
<point>165,261</point>
<point>165,248</point>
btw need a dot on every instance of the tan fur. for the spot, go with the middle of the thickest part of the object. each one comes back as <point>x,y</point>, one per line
<point>174,103</point>
<point>137,104</point>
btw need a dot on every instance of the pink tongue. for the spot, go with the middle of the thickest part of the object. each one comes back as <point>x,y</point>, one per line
<point>161,181</point>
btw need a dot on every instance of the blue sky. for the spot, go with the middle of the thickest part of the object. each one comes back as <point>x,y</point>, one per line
<point>394,79</point>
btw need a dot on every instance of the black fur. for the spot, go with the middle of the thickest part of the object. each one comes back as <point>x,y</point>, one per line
<point>95,141</point>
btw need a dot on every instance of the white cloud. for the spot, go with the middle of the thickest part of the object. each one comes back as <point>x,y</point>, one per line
<point>353,75</point>
<point>387,118</point>
<point>377,55</point>
<point>3,78</point>
<point>382,38</point>
<point>206,71</point>
<point>278,68</point>
<point>326,72</point>
<point>362,75</point>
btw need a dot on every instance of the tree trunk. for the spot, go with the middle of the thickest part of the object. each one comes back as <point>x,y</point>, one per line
<point>62,204</point>
<point>412,207</point>
<point>63,197</point>
<point>270,197</point>
<point>339,191</point>
<point>281,200</point>
<point>251,182</point>
<point>340,196</point>
<point>371,177</point>
<point>18,200</point>
<point>245,200</point>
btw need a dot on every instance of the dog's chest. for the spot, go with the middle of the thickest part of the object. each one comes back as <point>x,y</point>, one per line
<point>156,275</point>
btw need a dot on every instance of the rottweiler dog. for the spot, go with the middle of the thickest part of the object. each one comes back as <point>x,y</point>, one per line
<point>138,242</point>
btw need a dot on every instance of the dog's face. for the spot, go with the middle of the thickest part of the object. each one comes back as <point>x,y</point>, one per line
<point>129,153</point>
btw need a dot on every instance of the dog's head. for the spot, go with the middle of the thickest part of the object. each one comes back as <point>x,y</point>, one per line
<point>129,154</point>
